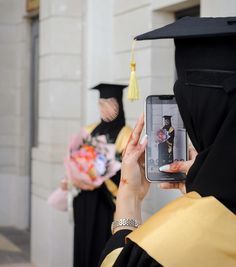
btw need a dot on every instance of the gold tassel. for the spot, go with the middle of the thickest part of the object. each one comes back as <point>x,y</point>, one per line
<point>133,90</point>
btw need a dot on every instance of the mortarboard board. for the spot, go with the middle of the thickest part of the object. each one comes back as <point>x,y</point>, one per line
<point>166,117</point>
<point>185,28</point>
<point>205,50</point>
<point>193,27</point>
<point>108,90</point>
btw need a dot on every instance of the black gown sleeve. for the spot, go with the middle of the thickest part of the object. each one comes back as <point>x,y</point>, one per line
<point>131,255</point>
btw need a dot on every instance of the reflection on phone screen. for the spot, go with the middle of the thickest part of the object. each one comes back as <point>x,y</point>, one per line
<point>166,134</point>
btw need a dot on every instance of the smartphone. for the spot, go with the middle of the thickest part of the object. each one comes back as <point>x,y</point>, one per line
<point>167,138</point>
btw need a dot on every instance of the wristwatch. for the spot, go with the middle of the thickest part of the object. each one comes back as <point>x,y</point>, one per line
<point>124,222</point>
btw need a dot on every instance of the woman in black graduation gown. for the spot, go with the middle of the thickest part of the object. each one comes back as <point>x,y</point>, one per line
<point>165,148</point>
<point>94,207</point>
<point>199,228</point>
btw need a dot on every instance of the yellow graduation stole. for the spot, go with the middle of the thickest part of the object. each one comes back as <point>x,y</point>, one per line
<point>191,231</point>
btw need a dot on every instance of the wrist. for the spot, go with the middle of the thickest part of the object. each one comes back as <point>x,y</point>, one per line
<point>124,224</point>
<point>127,193</point>
<point>128,207</point>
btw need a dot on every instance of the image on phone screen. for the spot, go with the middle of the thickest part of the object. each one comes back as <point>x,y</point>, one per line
<point>166,137</point>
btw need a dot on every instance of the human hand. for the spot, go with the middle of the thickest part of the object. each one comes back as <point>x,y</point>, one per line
<point>133,184</point>
<point>64,185</point>
<point>178,166</point>
<point>133,181</point>
<point>83,185</point>
<point>78,184</point>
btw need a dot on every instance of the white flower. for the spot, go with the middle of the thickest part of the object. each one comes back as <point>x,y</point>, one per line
<point>100,164</point>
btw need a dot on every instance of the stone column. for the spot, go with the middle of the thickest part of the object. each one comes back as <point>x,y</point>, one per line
<point>60,102</point>
<point>14,112</point>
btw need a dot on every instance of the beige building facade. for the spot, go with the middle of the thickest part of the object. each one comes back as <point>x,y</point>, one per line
<point>49,59</point>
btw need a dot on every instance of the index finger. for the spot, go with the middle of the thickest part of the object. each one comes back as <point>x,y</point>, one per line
<point>135,135</point>
<point>137,130</point>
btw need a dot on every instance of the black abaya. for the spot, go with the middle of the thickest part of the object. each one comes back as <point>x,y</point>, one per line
<point>206,96</point>
<point>94,210</point>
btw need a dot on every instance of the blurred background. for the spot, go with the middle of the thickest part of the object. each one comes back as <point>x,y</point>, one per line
<point>51,53</point>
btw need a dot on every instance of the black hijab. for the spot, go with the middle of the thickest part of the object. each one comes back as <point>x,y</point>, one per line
<point>206,95</point>
<point>112,128</point>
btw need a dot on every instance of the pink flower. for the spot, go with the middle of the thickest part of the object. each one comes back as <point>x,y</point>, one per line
<point>162,135</point>
<point>89,159</point>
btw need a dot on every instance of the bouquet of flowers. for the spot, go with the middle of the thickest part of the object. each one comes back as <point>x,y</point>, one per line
<point>91,160</point>
<point>162,135</point>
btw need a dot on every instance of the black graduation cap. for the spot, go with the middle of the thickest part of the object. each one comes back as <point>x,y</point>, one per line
<point>205,50</point>
<point>193,27</point>
<point>108,90</point>
<point>167,117</point>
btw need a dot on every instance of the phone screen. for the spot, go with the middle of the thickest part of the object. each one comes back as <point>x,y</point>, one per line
<point>167,137</point>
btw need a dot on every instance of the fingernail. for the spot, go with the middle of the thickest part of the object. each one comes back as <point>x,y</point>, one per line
<point>164,168</point>
<point>143,139</point>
